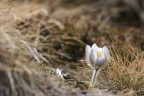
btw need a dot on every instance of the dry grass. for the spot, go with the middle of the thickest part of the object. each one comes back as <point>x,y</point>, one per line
<point>33,44</point>
<point>125,72</point>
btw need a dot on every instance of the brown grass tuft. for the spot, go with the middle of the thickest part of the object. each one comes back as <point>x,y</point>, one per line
<point>125,71</point>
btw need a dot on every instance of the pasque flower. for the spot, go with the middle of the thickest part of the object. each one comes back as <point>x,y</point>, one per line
<point>96,57</point>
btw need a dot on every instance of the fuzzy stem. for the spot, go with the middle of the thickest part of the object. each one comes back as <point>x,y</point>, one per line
<point>94,77</point>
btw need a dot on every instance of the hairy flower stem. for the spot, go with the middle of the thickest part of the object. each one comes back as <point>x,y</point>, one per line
<point>94,77</point>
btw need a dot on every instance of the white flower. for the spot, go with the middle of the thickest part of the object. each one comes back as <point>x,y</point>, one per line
<point>96,56</point>
<point>59,73</point>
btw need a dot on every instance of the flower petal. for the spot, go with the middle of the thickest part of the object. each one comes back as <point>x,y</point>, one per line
<point>106,52</point>
<point>95,47</point>
<point>101,60</point>
<point>93,57</point>
<point>88,50</point>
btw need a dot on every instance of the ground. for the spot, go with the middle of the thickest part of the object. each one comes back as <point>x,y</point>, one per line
<point>42,51</point>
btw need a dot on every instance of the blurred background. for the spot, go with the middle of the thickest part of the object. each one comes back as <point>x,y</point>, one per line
<point>47,34</point>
